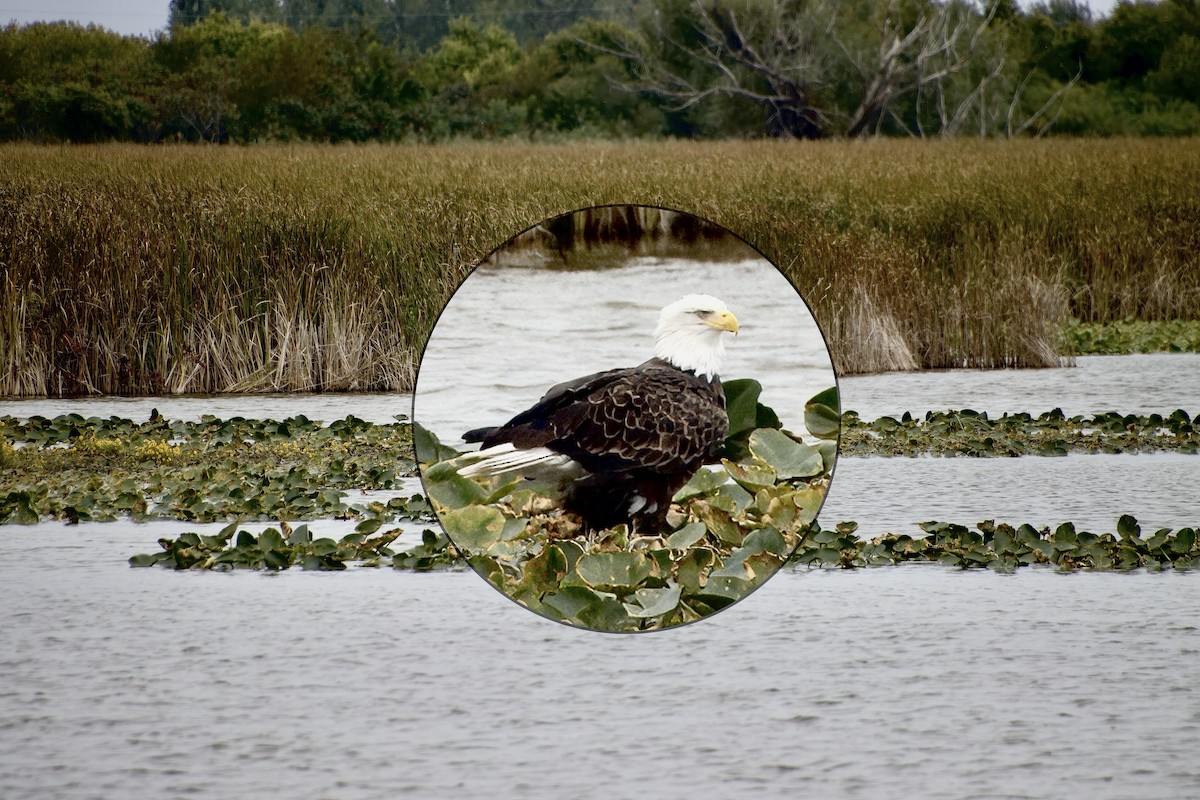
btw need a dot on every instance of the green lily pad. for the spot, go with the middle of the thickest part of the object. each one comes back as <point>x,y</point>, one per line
<point>722,590</point>
<point>620,570</point>
<point>821,415</point>
<point>474,527</point>
<point>741,404</point>
<point>751,476</point>
<point>1128,527</point>
<point>451,490</point>
<point>428,448</point>
<point>789,458</point>
<point>569,601</point>
<point>608,614</point>
<point>705,481</point>
<point>691,569</point>
<point>766,540</point>
<point>687,536</point>
<point>654,602</point>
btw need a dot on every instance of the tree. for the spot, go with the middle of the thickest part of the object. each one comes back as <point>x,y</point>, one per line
<point>817,67</point>
<point>775,55</point>
<point>63,81</point>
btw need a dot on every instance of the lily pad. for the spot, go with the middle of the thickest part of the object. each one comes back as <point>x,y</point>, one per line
<point>687,536</point>
<point>451,490</point>
<point>789,458</point>
<point>427,446</point>
<point>654,602</point>
<point>474,527</point>
<point>622,570</point>
<point>569,601</point>
<point>751,476</point>
<point>821,415</point>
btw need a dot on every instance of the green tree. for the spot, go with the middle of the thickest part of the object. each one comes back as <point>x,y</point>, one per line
<point>565,86</point>
<point>63,81</point>
<point>1130,42</point>
<point>1057,37</point>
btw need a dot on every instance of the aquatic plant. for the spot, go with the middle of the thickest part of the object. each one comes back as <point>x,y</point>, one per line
<point>98,469</point>
<point>175,269</point>
<point>998,546</point>
<point>973,433</point>
<point>1004,547</point>
<point>1121,337</point>
<point>730,527</point>
<point>283,547</point>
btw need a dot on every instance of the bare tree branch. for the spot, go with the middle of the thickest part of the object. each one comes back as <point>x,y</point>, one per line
<point>946,61</point>
<point>1054,101</point>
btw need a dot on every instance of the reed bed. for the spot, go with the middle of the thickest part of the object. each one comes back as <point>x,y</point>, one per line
<point>179,269</point>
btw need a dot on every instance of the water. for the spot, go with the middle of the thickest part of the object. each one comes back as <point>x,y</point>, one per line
<point>1091,490</point>
<point>912,681</point>
<point>1136,384</point>
<point>510,333</point>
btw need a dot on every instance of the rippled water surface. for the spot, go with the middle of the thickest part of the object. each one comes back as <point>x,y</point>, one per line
<point>510,333</point>
<point>912,681</point>
<point>903,682</point>
<point>1136,384</point>
<point>1093,491</point>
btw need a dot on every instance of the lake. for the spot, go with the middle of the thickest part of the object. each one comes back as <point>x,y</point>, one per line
<point>911,681</point>
<point>510,333</point>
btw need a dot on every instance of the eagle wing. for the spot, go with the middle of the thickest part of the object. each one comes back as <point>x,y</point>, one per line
<point>654,416</point>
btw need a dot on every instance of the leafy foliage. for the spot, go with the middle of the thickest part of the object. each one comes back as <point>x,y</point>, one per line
<point>252,70</point>
<point>281,548</point>
<point>972,433</point>
<point>730,528</point>
<point>1133,336</point>
<point>1004,547</point>
<point>80,469</point>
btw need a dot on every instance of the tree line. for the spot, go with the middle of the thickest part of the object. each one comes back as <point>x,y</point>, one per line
<point>358,70</point>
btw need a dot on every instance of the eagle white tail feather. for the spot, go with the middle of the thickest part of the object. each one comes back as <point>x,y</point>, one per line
<point>535,462</point>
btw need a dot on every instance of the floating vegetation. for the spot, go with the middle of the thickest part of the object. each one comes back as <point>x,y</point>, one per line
<point>729,528</point>
<point>81,469</point>
<point>1132,336</point>
<point>284,547</point>
<point>998,546</point>
<point>973,433</point>
<point>1003,547</point>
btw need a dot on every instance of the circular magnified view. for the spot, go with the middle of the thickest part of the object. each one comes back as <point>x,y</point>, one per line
<point>626,418</point>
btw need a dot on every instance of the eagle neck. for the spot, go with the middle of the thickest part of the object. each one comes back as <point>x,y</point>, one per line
<point>699,352</point>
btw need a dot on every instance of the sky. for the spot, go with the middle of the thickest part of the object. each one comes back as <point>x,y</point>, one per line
<point>144,17</point>
<point>130,17</point>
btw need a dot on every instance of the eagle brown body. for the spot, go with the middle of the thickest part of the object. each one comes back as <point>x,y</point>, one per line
<point>622,442</point>
<point>639,434</point>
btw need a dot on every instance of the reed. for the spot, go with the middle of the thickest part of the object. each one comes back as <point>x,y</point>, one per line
<point>207,269</point>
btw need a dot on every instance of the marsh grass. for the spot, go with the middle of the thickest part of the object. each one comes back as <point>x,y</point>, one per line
<point>199,269</point>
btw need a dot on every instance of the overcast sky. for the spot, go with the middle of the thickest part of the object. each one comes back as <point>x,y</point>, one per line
<point>144,17</point>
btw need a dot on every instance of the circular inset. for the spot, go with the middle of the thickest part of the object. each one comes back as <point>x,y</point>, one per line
<point>626,418</point>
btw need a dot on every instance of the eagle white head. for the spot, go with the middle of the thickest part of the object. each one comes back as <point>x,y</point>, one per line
<point>689,333</point>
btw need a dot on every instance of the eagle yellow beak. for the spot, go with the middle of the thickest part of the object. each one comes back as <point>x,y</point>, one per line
<point>723,321</point>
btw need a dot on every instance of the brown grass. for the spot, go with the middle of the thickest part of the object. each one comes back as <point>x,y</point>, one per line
<point>208,269</point>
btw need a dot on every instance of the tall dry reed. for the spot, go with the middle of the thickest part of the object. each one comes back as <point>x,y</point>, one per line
<point>207,269</point>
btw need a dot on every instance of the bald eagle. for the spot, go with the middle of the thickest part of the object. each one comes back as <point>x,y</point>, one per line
<point>622,442</point>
